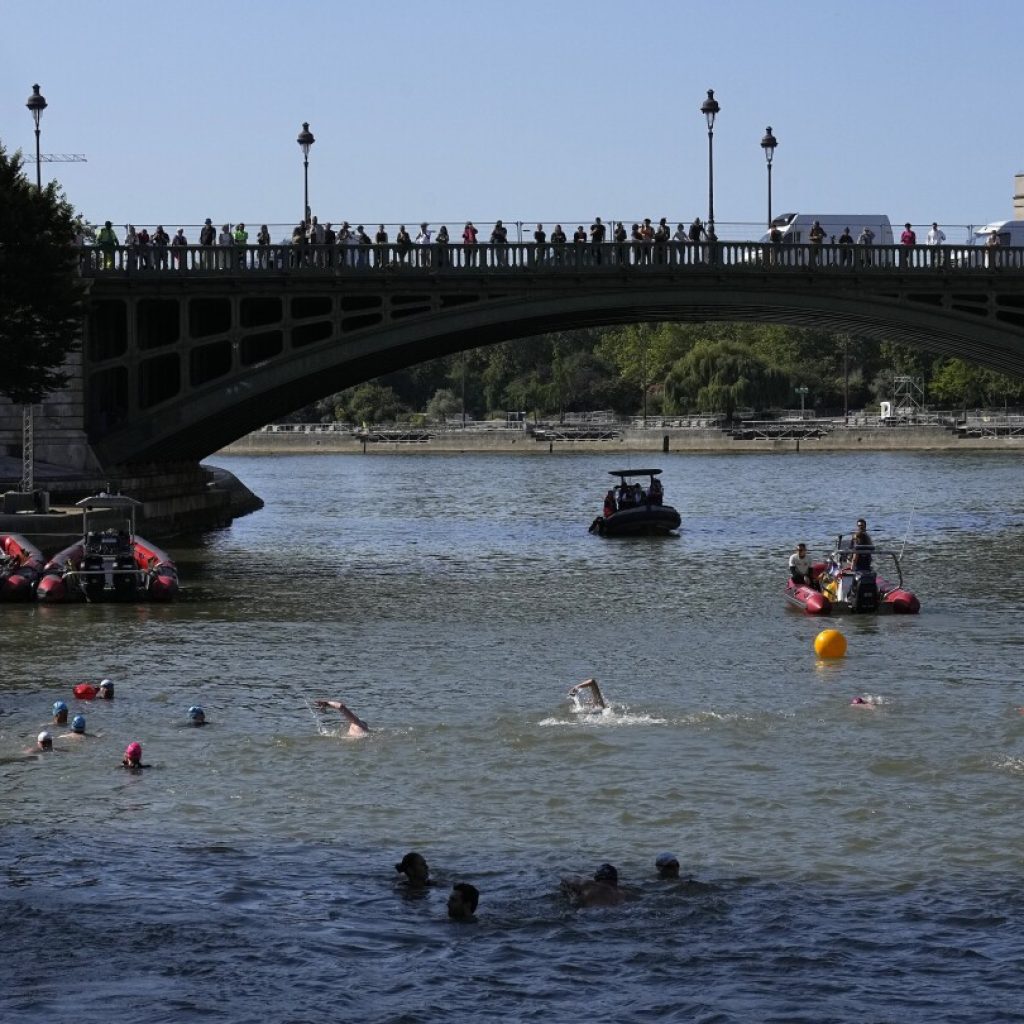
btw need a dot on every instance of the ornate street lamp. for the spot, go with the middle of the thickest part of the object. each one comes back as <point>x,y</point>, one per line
<point>709,108</point>
<point>36,104</point>
<point>305,140</point>
<point>768,144</point>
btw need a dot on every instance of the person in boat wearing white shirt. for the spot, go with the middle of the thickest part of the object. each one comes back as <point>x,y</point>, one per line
<point>800,568</point>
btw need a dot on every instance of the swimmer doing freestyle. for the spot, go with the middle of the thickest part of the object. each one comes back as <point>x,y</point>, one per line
<point>357,728</point>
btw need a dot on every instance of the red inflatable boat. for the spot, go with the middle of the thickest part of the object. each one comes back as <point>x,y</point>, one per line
<point>111,562</point>
<point>21,564</point>
<point>841,588</point>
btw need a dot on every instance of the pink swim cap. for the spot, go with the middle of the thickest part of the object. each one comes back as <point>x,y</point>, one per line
<point>133,751</point>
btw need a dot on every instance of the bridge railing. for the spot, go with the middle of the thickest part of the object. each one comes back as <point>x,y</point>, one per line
<point>554,258</point>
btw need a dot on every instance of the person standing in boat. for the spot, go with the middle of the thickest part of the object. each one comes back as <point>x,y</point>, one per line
<point>800,569</point>
<point>609,503</point>
<point>655,493</point>
<point>862,545</point>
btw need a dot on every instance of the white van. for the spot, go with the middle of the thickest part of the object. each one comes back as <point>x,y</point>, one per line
<point>796,227</point>
<point>1010,232</point>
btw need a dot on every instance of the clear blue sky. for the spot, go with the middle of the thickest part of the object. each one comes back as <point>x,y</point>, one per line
<point>526,110</point>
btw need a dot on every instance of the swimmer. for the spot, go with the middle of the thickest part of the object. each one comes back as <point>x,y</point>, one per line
<point>44,741</point>
<point>133,756</point>
<point>77,730</point>
<point>596,697</point>
<point>106,690</point>
<point>60,713</point>
<point>667,865</point>
<point>463,901</point>
<point>196,716</point>
<point>600,891</point>
<point>415,869</point>
<point>356,726</point>
<point>864,703</point>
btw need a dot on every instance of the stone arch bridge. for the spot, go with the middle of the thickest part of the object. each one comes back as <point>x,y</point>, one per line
<point>188,349</point>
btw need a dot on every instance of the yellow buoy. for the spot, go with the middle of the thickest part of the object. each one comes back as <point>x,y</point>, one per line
<point>830,643</point>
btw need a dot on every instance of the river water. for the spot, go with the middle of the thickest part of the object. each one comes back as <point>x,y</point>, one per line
<point>841,864</point>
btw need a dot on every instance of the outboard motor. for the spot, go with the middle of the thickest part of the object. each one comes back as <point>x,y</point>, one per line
<point>124,577</point>
<point>864,592</point>
<point>93,579</point>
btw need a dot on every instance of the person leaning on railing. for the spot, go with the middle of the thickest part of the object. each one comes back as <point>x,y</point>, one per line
<point>866,239</point>
<point>179,247</point>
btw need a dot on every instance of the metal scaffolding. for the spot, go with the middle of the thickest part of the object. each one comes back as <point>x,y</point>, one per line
<point>27,450</point>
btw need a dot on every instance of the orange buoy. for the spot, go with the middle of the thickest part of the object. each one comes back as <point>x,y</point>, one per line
<point>830,643</point>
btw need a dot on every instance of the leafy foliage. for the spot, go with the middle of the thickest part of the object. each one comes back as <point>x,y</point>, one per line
<point>40,294</point>
<point>679,368</point>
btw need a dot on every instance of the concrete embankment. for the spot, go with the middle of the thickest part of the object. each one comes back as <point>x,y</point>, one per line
<point>852,438</point>
<point>185,499</point>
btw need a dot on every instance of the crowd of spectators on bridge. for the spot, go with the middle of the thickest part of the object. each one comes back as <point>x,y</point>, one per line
<point>314,244</point>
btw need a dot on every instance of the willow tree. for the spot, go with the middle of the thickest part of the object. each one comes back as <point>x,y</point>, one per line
<point>722,376</point>
<point>40,292</point>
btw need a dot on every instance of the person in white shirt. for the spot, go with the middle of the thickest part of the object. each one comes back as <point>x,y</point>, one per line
<point>800,568</point>
<point>423,239</point>
<point>225,242</point>
<point>936,236</point>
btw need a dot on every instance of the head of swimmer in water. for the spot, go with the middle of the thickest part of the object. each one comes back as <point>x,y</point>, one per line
<point>196,715</point>
<point>60,713</point>
<point>415,868</point>
<point>667,865</point>
<point>106,690</point>
<point>462,901</point>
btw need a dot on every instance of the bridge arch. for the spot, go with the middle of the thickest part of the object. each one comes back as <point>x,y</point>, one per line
<point>175,368</point>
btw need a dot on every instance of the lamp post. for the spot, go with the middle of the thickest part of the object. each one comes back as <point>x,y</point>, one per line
<point>305,140</point>
<point>846,379</point>
<point>768,144</point>
<point>36,104</point>
<point>801,392</point>
<point>709,108</point>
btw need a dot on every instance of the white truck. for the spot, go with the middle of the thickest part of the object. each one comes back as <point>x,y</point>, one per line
<point>1010,232</point>
<point>796,231</point>
<point>796,227</point>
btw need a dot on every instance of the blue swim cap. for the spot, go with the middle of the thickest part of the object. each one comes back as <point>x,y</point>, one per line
<point>59,706</point>
<point>196,712</point>
<point>78,723</point>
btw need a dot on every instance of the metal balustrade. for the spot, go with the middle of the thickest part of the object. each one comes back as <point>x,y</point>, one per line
<point>550,258</point>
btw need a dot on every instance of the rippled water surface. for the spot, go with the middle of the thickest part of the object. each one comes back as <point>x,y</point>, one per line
<point>842,864</point>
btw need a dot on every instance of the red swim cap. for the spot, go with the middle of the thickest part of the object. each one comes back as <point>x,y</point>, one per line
<point>85,691</point>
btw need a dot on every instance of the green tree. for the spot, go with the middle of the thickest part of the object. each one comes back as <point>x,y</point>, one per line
<point>959,384</point>
<point>722,376</point>
<point>40,292</point>
<point>442,405</point>
<point>370,403</point>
